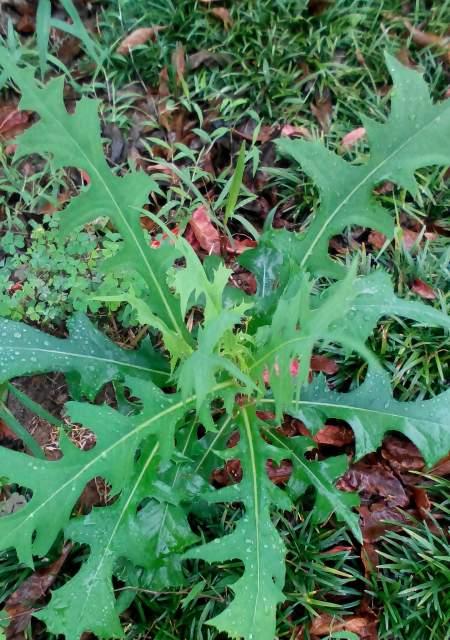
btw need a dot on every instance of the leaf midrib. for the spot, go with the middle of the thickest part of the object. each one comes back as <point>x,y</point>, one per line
<point>86,356</point>
<point>355,408</point>
<point>256,500</point>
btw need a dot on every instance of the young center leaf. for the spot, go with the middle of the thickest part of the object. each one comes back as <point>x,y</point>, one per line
<point>414,135</point>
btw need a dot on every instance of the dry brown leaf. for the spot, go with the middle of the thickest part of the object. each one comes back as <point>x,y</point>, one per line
<point>207,58</point>
<point>12,121</point>
<point>179,62</point>
<point>335,435</point>
<point>21,603</point>
<point>321,110</point>
<point>224,15</point>
<point>324,624</point>
<point>376,239</point>
<point>427,39</point>
<point>137,37</point>
<point>293,131</point>
<point>352,137</point>
<point>423,289</point>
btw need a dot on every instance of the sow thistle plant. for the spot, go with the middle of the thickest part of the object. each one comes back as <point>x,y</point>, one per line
<point>179,405</point>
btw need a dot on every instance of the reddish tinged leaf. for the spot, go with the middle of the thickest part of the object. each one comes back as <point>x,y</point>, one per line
<point>20,604</point>
<point>352,137</point>
<point>224,15</point>
<point>204,231</point>
<point>335,435</point>
<point>322,364</point>
<point>239,246</point>
<point>409,238</point>
<point>137,37</point>
<point>442,468</point>
<point>376,239</point>
<point>423,289</point>
<point>422,501</point>
<point>279,474</point>
<point>12,122</point>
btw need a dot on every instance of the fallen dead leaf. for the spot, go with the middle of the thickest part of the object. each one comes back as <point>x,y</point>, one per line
<point>374,480</point>
<point>179,62</point>
<point>12,121</point>
<point>293,131</point>
<point>376,239</point>
<point>335,435</point>
<point>204,231</point>
<point>363,626</point>
<point>378,519</point>
<point>322,364</point>
<point>21,603</point>
<point>401,454</point>
<point>137,37</point>
<point>207,58</point>
<point>224,15</point>
<point>352,137</point>
<point>427,39</point>
<point>409,238</point>
<point>423,289</point>
<point>321,110</point>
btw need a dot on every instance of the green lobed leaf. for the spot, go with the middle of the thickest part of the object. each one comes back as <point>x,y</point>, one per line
<point>371,411</point>
<point>74,140</point>
<point>87,356</point>
<point>255,540</point>
<point>415,135</point>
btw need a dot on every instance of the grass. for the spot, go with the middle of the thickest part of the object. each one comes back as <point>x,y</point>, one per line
<point>276,60</point>
<point>412,585</point>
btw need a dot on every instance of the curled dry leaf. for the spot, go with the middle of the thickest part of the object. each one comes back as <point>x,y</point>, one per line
<point>204,231</point>
<point>352,137</point>
<point>137,37</point>
<point>423,289</point>
<point>224,15</point>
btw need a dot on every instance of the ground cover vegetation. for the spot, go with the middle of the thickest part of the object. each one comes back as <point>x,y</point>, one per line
<point>223,405</point>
